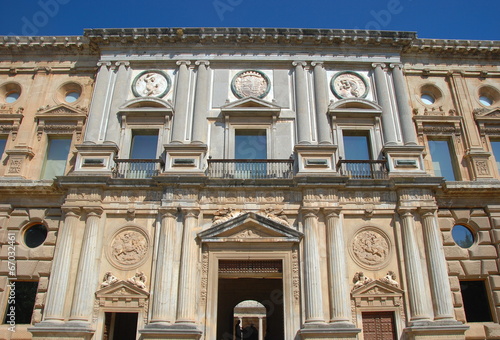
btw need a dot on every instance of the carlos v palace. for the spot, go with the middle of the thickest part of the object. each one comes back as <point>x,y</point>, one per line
<point>249,183</point>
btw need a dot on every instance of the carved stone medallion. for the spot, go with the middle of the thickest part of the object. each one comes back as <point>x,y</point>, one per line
<point>128,248</point>
<point>349,84</point>
<point>370,248</point>
<point>250,83</point>
<point>151,84</point>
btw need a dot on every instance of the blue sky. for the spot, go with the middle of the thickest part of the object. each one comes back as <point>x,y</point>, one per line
<point>443,19</point>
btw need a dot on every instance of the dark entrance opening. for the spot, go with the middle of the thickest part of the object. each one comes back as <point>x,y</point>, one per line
<point>120,326</point>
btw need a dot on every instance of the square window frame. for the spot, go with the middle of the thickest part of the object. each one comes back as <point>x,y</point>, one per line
<point>452,145</point>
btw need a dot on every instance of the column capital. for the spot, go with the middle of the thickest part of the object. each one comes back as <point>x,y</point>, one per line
<point>168,212</point>
<point>427,211</point>
<point>396,65</point>
<point>104,63</point>
<point>381,65</point>
<point>71,211</point>
<point>332,212</point>
<point>406,211</point>
<point>299,63</point>
<point>202,62</point>
<point>93,211</point>
<point>310,212</point>
<point>317,63</point>
<point>191,212</point>
<point>183,62</point>
<point>124,63</point>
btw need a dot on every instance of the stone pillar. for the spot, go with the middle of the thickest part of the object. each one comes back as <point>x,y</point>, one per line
<point>321,101</point>
<point>388,125</point>
<point>120,92</point>
<point>86,277</point>
<point>162,309</point>
<point>186,307</point>
<point>181,103</point>
<point>437,268</point>
<point>261,330</point>
<point>340,307</point>
<point>405,115</point>
<point>303,122</point>
<point>61,266</point>
<point>419,303</point>
<point>313,292</point>
<point>201,102</point>
<point>100,99</point>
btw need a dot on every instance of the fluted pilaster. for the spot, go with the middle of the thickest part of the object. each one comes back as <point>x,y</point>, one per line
<point>437,268</point>
<point>164,295</point>
<point>388,125</point>
<point>313,292</point>
<point>181,103</point>
<point>303,122</point>
<point>321,101</point>
<point>86,277</point>
<point>405,116</point>
<point>61,266</point>
<point>340,307</point>
<point>419,301</point>
<point>186,307</point>
<point>201,102</point>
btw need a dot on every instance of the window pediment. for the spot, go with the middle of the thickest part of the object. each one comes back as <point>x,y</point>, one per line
<point>488,121</point>
<point>355,107</point>
<point>251,106</point>
<point>60,119</point>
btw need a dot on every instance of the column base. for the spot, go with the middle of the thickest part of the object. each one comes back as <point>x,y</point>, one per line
<point>47,330</point>
<point>340,331</point>
<point>176,331</point>
<point>439,330</point>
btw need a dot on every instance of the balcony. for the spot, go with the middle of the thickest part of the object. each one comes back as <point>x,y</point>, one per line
<point>363,169</point>
<point>137,168</point>
<point>250,168</point>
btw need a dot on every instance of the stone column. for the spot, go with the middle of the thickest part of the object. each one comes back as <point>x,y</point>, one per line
<point>186,307</point>
<point>302,109</point>
<point>201,102</point>
<point>100,99</point>
<point>61,266</point>
<point>340,307</point>
<point>312,272</point>
<point>321,101</point>
<point>419,303</point>
<point>405,115</point>
<point>86,277</point>
<point>261,330</point>
<point>163,297</point>
<point>181,103</point>
<point>388,125</point>
<point>119,96</point>
<point>437,268</point>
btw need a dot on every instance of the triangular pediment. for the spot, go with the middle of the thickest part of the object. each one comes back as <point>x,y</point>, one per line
<point>60,110</point>
<point>252,105</point>
<point>379,288</point>
<point>487,113</point>
<point>250,227</point>
<point>121,289</point>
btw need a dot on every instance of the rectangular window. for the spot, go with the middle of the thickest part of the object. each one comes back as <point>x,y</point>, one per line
<point>495,148</point>
<point>20,302</point>
<point>356,145</point>
<point>56,157</point>
<point>441,159</point>
<point>3,142</point>
<point>144,144</point>
<point>476,304</point>
<point>250,145</point>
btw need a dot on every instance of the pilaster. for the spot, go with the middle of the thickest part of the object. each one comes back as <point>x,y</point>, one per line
<point>303,123</point>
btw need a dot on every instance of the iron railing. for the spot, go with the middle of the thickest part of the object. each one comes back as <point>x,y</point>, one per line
<point>250,168</point>
<point>137,168</point>
<point>363,169</point>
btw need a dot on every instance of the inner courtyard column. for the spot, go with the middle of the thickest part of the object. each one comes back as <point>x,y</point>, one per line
<point>86,277</point>
<point>313,293</point>
<point>382,90</point>
<point>186,306</point>
<point>420,309</point>
<point>61,266</point>
<point>340,307</point>
<point>163,298</point>
<point>303,122</point>
<point>437,268</point>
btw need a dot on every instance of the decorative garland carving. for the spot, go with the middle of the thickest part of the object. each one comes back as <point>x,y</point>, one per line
<point>295,274</point>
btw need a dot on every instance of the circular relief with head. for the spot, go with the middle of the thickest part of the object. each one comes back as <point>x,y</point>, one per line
<point>69,92</point>
<point>349,84</point>
<point>10,92</point>
<point>488,95</point>
<point>151,83</point>
<point>462,236</point>
<point>34,235</point>
<point>250,83</point>
<point>430,94</point>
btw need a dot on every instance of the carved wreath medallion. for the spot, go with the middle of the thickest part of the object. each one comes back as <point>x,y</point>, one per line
<point>152,83</point>
<point>128,248</point>
<point>349,84</point>
<point>370,248</point>
<point>250,83</point>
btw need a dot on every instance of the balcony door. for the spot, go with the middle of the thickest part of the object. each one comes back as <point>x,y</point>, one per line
<point>143,149</point>
<point>250,146</point>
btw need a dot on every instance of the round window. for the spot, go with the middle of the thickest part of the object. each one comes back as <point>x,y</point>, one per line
<point>462,236</point>
<point>35,235</point>
<point>427,99</point>
<point>10,92</point>
<point>486,101</point>
<point>72,97</point>
<point>12,97</point>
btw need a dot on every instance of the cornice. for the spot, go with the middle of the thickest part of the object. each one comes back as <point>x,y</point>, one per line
<point>453,47</point>
<point>45,42</point>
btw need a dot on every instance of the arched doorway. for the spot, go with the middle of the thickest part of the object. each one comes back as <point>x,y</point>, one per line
<point>249,319</point>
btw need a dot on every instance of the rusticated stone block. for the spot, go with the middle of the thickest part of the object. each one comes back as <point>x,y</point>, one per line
<point>495,282</point>
<point>484,252</point>
<point>26,268</point>
<point>39,300</point>
<point>492,330</point>
<point>454,283</point>
<point>43,284</point>
<point>476,331</point>
<point>471,267</point>
<point>456,253</point>
<point>447,238</point>
<point>457,299</point>
<point>496,297</point>
<point>483,222</point>
<point>42,253</point>
<point>455,268</point>
<point>484,237</point>
<point>489,266</point>
<point>460,314</point>
<point>43,268</point>
<point>496,235</point>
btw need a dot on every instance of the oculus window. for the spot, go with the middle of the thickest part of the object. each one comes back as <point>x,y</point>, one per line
<point>35,235</point>
<point>462,236</point>
<point>56,157</point>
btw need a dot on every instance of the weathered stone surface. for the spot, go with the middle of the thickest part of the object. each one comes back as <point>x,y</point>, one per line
<point>489,267</point>
<point>455,253</point>
<point>483,252</point>
<point>471,267</point>
<point>455,268</point>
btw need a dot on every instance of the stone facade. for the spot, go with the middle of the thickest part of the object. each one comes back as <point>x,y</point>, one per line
<point>215,173</point>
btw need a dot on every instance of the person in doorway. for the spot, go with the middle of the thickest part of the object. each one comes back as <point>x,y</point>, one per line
<point>238,331</point>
